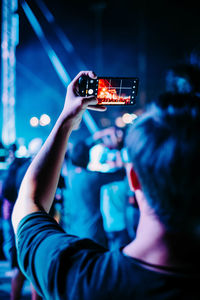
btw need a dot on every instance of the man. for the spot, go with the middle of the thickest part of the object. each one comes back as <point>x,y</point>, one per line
<point>162,262</point>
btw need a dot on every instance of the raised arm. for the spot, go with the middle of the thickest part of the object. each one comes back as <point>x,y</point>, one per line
<point>40,181</point>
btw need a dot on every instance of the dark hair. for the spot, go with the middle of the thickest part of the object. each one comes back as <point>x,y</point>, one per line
<point>80,154</point>
<point>183,78</point>
<point>164,146</point>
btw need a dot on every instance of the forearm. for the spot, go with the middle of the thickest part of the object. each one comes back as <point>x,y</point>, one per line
<point>40,181</point>
<point>44,172</point>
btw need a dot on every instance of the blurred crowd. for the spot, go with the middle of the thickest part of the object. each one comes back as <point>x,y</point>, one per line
<point>94,173</point>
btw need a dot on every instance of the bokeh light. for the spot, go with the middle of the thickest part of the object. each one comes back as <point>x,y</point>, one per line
<point>127,118</point>
<point>119,122</point>
<point>45,120</point>
<point>34,122</point>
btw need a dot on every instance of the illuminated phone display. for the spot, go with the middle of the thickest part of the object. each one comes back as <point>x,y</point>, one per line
<point>110,90</point>
<point>116,91</point>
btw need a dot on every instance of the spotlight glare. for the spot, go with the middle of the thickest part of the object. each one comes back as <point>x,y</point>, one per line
<point>22,151</point>
<point>127,118</point>
<point>119,122</point>
<point>44,120</point>
<point>34,122</point>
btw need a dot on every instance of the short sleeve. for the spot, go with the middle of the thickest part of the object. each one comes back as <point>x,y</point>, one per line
<point>49,257</point>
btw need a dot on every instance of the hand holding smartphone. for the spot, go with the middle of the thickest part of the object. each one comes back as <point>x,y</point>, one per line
<point>110,90</point>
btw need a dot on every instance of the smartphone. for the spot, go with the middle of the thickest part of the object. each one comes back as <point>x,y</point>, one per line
<point>110,90</point>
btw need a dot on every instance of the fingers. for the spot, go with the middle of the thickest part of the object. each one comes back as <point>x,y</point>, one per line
<point>97,108</point>
<point>91,103</point>
<point>91,100</point>
<point>86,73</point>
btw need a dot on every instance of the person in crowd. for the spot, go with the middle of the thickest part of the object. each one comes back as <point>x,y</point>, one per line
<point>183,78</point>
<point>119,209</point>
<point>113,204</point>
<point>105,146</point>
<point>84,185</point>
<point>10,189</point>
<point>112,137</point>
<point>162,262</point>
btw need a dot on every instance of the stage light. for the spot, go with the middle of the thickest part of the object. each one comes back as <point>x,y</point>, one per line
<point>34,122</point>
<point>22,151</point>
<point>12,101</point>
<point>127,118</point>
<point>5,98</point>
<point>5,54</point>
<point>4,44</point>
<point>119,122</point>
<point>45,120</point>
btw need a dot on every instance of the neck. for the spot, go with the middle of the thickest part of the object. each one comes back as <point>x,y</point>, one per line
<point>155,245</point>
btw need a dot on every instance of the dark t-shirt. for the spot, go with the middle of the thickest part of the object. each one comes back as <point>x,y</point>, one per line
<point>67,267</point>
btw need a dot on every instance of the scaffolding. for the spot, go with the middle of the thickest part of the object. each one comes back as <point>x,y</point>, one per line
<point>10,24</point>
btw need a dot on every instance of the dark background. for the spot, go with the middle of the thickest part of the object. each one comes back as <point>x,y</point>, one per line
<point>113,38</point>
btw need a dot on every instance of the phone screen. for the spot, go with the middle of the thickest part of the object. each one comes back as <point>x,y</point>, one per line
<point>110,90</point>
<point>116,91</point>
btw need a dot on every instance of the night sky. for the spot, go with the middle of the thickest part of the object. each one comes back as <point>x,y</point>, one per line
<point>131,38</point>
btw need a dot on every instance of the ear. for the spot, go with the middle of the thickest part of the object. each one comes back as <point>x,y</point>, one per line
<point>132,178</point>
<point>135,186</point>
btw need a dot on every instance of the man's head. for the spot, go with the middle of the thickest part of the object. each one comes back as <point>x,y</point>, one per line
<point>164,147</point>
<point>80,154</point>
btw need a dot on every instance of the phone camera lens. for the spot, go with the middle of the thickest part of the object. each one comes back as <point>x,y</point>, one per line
<point>90,91</point>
